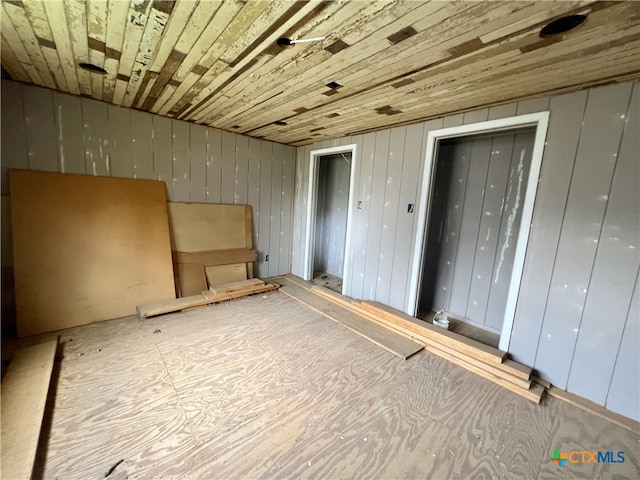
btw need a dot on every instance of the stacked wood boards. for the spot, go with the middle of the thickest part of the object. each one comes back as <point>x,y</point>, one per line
<point>217,294</point>
<point>215,239</point>
<point>86,248</point>
<point>390,341</point>
<point>474,356</point>
<point>24,396</point>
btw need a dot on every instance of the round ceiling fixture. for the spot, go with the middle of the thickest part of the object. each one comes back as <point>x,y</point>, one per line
<point>562,25</point>
<point>90,67</point>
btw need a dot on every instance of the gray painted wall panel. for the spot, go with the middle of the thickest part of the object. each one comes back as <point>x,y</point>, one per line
<point>214,166</point>
<point>553,186</point>
<point>181,174</point>
<point>378,183</point>
<point>142,144</point>
<point>404,225</point>
<point>624,390</point>
<point>14,153</point>
<point>228,194</point>
<point>475,116</point>
<point>198,163</point>
<point>163,153</point>
<point>242,169</point>
<point>276,206</point>
<point>68,116</point>
<point>614,272</point>
<point>96,143</point>
<point>42,141</point>
<point>599,143</point>
<point>550,217</point>
<point>453,120</point>
<point>264,233</point>
<point>120,142</point>
<point>390,211</point>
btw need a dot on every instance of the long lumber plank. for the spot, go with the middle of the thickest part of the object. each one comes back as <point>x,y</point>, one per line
<point>205,298</point>
<point>463,344</point>
<point>382,337</point>
<point>24,396</point>
<point>216,257</point>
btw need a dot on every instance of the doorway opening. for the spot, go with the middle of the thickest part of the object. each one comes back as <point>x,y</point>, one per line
<point>480,182</point>
<point>329,211</point>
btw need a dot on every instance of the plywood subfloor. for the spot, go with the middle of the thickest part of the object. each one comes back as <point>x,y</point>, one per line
<point>327,280</point>
<point>264,387</point>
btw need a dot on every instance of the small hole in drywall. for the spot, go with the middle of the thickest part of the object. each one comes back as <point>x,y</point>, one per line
<point>562,25</point>
<point>334,85</point>
<point>279,122</point>
<point>90,67</point>
<point>284,42</point>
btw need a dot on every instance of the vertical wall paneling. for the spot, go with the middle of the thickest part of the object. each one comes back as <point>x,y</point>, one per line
<point>119,146</point>
<point>502,111</point>
<point>228,194</point>
<point>509,228</point>
<point>12,122</point>
<point>361,220</point>
<point>390,213</point>
<point>469,224</point>
<point>288,164</point>
<point>214,166</point>
<point>404,225</point>
<point>198,162</point>
<point>253,193</point>
<point>475,116</point>
<point>181,174</point>
<point>276,208</point>
<point>616,264</point>
<point>264,233</point>
<point>378,184</point>
<point>42,139</point>
<point>532,105</point>
<point>68,116</point>
<point>242,169</point>
<point>553,186</point>
<point>142,145</point>
<point>624,391</point>
<point>601,131</point>
<point>96,143</point>
<point>163,153</point>
<point>296,251</point>
<point>453,120</point>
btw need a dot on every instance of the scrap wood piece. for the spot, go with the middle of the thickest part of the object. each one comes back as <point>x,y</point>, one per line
<point>24,396</point>
<point>236,286</point>
<point>382,337</point>
<point>216,257</point>
<point>205,298</point>
<point>191,278</point>
<point>219,274</point>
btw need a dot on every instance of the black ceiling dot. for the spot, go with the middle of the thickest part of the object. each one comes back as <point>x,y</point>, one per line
<point>280,122</point>
<point>402,35</point>
<point>334,85</point>
<point>300,110</point>
<point>90,67</point>
<point>236,126</point>
<point>332,115</point>
<point>284,42</point>
<point>562,25</point>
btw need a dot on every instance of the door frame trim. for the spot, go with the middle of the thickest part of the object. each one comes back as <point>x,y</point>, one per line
<point>540,120</point>
<point>312,198</point>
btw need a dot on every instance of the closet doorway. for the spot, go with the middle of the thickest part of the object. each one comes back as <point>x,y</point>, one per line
<point>475,228</point>
<point>330,180</point>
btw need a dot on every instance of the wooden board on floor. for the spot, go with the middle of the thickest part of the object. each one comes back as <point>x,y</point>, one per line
<point>86,248</point>
<point>191,278</point>
<point>381,336</point>
<point>24,395</point>
<point>236,286</point>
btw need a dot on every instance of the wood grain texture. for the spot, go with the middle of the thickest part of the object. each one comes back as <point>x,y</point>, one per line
<point>24,395</point>
<point>86,248</point>
<point>220,393</point>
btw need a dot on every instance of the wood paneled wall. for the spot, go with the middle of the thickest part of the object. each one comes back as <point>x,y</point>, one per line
<point>577,315</point>
<point>46,130</point>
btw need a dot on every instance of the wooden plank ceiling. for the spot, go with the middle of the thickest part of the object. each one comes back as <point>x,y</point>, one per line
<point>382,63</point>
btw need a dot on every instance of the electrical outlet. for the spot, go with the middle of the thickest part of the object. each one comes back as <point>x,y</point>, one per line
<point>359,204</point>
<point>266,258</point>
<point>410,208</point>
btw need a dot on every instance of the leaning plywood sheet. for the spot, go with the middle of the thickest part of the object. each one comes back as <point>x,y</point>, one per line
<point>24,395</point>
<point>86,248</point>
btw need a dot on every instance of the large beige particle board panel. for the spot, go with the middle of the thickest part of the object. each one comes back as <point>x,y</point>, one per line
<point>197,227</point>
<point>86,248</point>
